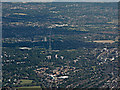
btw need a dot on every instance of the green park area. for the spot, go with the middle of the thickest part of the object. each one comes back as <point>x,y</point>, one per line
<point>22,81</point>
<point>30,88</point>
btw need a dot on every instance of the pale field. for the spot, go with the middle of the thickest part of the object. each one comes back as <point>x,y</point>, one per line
<point>104,41</point>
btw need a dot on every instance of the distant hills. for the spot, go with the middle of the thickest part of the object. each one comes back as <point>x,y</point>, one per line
<point>86,0</point>
<point>27,0</point>
<point>60,0</point>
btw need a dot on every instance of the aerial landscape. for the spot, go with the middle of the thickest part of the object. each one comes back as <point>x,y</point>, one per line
<point>60,45</point>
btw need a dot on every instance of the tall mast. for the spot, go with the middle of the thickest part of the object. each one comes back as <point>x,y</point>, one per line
<point>50,48</point>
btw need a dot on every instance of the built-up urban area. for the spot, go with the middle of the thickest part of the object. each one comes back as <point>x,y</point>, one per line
<point>60,45</point>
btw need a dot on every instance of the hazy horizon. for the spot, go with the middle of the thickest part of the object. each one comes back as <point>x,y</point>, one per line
<point>59,1</point>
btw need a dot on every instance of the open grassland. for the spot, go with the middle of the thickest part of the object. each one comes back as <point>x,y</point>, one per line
<point>22,81</point>
<point>29,88</point>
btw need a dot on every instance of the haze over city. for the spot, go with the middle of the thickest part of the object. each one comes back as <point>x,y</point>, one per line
<point>60,0</point>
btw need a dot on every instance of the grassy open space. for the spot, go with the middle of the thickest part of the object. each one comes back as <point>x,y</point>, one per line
<point>22,81</point>
<point>30,88</point>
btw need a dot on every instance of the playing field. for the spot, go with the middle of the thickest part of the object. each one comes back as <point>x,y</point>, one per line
<point>22,81</point>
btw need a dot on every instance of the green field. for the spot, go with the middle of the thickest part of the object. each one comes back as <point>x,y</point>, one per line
<point>30,88</point>
<point>22,81</point>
